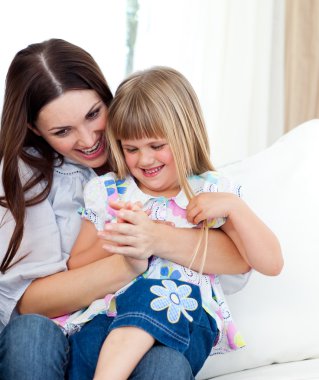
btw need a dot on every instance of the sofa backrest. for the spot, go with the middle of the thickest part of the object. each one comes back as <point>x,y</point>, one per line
<point>278,316</point>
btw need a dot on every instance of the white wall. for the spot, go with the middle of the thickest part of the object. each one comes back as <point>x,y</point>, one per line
<point>97,26</point>
<point>230,50</point>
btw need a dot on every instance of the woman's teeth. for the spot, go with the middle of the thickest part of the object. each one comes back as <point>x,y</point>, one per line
<point>94,148</point>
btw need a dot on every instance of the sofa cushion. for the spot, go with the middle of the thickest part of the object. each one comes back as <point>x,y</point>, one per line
<point>278,316</point>
<point>303,370</point>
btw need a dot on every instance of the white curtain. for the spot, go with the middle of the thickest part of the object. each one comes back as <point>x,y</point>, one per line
<point>233,53</point>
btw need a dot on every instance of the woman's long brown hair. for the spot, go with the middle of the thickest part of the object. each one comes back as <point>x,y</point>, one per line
<point>37,75</point>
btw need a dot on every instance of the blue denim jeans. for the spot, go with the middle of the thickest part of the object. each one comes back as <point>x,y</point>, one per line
<point>171,311</point>
<point>159,363</point>
<point>32,347</point>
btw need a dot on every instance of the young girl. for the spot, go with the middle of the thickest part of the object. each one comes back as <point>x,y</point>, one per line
<point>160,151</point>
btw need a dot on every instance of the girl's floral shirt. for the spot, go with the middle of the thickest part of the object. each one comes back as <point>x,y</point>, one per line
<point>96,197</point>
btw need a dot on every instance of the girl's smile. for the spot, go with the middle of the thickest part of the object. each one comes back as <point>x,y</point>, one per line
<point>151,162</point>
<point>152,172</point>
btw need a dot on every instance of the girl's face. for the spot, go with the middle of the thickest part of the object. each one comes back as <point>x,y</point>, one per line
<point>74,125</point>
<point>152,164</point>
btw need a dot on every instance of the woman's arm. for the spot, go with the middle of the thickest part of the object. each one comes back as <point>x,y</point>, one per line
<point>141,238</point>
<point>256,243</point>
<point>178,245</point>
<point>87,247</point>
<point>72,290</point>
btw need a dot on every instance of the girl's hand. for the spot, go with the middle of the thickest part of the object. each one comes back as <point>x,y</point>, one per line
<point>118,205</point>
<point>256,243</point>
<point>135,265</point>
<point>206,206</point>
<point>135,237</point>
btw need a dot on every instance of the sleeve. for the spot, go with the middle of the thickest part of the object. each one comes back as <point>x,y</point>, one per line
<point>233,283</point>
<point>50,229</point>
<point>217,182</point>
<point>96,195</point>
<point>39,254</point>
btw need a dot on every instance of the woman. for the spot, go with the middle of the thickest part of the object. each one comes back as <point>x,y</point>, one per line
<point>51,144</point>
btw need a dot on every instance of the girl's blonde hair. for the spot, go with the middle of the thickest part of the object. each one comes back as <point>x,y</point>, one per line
<point>161,103</point>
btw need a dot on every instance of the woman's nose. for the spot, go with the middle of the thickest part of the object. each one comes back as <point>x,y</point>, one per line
<point>86,138</point>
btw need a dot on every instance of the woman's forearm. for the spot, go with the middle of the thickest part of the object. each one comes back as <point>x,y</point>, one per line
<point>65,292</point>
<point>256,242</point>
<point>140,238</point>
<point>179,246</point>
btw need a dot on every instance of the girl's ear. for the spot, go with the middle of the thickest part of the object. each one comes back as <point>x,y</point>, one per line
<point>34,130</point>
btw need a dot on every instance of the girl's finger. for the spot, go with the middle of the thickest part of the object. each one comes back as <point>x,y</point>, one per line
<point>117,228</point>
<point>116,205</point>
<point>133,217</point>
<point>199,218</point>
<point>191,214</point>
<point>126,251</point>
<point>122,239</point>
<point>136,206</point>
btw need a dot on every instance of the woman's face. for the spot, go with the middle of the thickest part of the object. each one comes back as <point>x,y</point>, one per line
<point>74,125</point>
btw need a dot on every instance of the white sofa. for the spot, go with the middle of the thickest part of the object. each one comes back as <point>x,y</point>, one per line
<point>279,316</point>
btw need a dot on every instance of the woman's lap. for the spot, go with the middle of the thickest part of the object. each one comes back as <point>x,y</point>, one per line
<point>32,347</point>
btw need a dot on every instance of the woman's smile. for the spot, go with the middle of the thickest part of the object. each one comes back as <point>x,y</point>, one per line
<point>95,151</point>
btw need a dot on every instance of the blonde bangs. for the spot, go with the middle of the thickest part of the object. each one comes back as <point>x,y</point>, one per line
<point>136,118</point>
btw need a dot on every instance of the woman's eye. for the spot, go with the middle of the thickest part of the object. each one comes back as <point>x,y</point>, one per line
<point>94,114</point>
<point>61,132</point>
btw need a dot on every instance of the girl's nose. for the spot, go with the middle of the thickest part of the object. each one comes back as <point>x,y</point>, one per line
<point>145,158</point>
